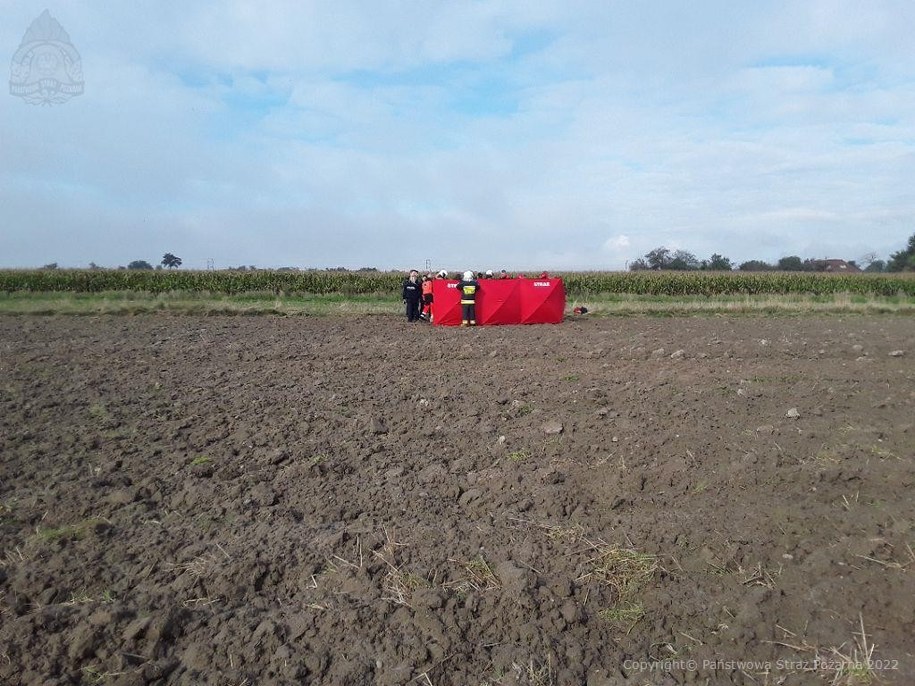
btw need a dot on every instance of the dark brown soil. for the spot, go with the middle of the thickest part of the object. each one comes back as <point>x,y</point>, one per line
<point>341,501</point>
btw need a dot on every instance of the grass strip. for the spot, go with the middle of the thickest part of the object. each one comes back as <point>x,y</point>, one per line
<point>265,303</point>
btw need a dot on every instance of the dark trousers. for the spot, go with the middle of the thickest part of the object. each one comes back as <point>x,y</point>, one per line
<point>412,307</point>
<point>469,313</point>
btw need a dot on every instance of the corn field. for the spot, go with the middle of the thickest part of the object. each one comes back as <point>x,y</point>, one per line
<point>578,284</point>
<point>676,283</point>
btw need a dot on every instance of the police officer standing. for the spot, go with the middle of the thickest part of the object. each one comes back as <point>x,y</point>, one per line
<point>412,295</point>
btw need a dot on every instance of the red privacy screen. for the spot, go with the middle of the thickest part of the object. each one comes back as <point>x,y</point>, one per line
<point>502,301</point>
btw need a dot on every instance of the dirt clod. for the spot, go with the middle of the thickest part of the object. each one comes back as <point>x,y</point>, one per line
<point>552,427</point>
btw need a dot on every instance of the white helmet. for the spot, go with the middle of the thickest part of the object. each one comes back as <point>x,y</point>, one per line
<point>443,273</point>
<point>489,272</point>
<point>468,276</point>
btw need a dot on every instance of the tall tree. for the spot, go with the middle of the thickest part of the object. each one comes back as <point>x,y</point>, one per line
<point>684,261</point>
<point>755,266</point>
<point>717,263</point>
<point>139,264</point>
<point>791,264</point>
<point>171,261</point>
<point>659,258</point>
<point>638,265</point>
<point>904,260</point>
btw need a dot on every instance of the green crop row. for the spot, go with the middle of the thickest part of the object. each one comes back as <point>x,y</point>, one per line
<point>676,283</point>
<point>219,282</point>
<point>578,284</point>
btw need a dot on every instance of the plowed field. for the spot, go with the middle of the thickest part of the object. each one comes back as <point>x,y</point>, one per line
<point>262,500</point>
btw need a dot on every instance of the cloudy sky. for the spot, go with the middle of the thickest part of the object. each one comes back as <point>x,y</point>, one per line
<point>517,133</point>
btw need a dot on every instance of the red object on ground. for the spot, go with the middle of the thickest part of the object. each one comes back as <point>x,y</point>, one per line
<point>502,301</point>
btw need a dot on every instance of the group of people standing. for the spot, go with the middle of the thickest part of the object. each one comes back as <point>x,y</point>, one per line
<point>417,294</point>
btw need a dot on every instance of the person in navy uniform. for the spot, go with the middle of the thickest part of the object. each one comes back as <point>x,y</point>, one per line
<point>468,288</point>
<point>412,296</point>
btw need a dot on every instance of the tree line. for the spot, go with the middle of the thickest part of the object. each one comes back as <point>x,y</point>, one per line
<point>683,260</point>
<point>660,258</point>
<point>171,261</point>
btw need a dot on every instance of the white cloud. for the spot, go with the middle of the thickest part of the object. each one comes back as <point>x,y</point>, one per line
<point>322,132</point>
<point>617,244</point>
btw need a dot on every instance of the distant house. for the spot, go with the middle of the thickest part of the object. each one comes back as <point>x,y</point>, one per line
<point>835,266</point>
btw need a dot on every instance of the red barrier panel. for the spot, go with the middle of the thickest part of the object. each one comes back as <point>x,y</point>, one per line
<point>543,301</point>
<point>502,301</point>
<point>446,303</point>
<point>499,302</point>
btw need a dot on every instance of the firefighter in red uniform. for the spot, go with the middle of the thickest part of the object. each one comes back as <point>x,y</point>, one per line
<point>468,288</point>
<point>427,298</point>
